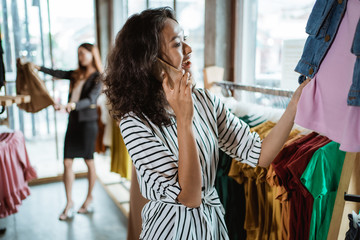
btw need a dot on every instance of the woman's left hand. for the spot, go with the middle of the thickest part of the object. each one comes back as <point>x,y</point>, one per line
<point>70,107</point>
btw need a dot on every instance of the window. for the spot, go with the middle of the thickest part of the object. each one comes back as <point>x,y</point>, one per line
<point>26,33</point>
<point>191,15</point>
<point>274,36</point>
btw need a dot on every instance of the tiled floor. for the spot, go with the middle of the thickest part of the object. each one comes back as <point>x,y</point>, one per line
<point>37,218</point>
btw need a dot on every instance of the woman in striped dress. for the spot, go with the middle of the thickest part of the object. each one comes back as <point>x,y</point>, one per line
<point>173,131</point>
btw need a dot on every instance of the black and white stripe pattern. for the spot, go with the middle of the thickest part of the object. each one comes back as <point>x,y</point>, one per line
<point>154,152</point>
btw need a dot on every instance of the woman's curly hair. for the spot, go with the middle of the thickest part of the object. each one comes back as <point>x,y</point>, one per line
<point>130,84</point>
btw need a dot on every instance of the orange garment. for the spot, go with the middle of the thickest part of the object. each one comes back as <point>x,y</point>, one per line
<point>29,83</point>
<point>263,213</point>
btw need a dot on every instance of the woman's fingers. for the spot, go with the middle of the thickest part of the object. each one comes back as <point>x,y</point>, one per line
<point>184,81</point>
<point>165,84</point>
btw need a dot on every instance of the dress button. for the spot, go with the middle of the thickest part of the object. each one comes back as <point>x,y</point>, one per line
<point>311,71</point>
<point>327,38</point>
<point>340,1</point>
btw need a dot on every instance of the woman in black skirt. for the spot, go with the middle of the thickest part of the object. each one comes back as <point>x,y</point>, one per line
<point>82,126</point>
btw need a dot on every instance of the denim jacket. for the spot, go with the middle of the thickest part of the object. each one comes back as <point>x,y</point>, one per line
<point>322,26</point>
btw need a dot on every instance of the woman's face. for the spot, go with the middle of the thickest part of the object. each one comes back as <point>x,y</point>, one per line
<point>174,49</point>
<point>85,57</point>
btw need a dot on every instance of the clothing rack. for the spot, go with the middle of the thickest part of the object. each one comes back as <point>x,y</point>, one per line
<point>351,197</point>
<point>8,100</point>
<point>254,88</point>
<point>349,173</point>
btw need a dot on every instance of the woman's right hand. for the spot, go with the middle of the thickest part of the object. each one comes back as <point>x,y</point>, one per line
<point>180,98</point>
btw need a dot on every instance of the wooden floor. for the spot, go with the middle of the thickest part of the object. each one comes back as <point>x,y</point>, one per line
<point>37,218</point>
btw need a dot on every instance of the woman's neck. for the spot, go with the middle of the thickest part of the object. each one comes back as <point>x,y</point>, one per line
<point>89,70</point>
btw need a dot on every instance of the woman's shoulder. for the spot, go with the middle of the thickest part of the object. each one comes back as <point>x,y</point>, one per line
<point>204,96</point>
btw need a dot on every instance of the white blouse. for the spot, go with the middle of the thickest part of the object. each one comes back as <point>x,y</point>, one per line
<point>154,152</point>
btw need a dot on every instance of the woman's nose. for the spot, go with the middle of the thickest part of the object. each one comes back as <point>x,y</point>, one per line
<point>186,49</point>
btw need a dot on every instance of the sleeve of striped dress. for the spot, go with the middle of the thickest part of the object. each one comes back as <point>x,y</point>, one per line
<point>234,136</point>
<point>155,164</point>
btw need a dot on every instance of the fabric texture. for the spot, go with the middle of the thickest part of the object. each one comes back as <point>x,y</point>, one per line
<point>29,83</point>
<point>154,152</point>
<point>15,172</point>
<point>322,106</point>
<point>289,165</point>
<point>321,177</point>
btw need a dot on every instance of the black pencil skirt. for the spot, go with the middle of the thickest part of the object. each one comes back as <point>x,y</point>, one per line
<point>80,138</point>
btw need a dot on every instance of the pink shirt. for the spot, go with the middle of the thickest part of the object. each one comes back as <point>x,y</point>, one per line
<point>322,106</point>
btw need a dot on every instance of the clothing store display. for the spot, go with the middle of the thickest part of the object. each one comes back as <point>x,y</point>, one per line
<point>321,178</point>
<point>354,227</point>
<point>82,127</point>
<point>15,172</point>
<point>137,202</point>
<point>323,28</point>
<point>263,213</point>
<point>322,106</point>
<point>29,83</point>
<point>232,197</point>
<point>289,165</point>
<point>214,127</point>
<point>120,159</point>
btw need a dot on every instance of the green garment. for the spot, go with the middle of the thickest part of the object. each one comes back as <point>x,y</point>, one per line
<point>321,178</point>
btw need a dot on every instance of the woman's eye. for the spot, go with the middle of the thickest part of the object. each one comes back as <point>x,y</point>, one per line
<point>185,38</point>
<point>178,44</point>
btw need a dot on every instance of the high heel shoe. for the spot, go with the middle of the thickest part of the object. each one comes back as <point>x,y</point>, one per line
<point>85,210</point>
<point>66,215</point>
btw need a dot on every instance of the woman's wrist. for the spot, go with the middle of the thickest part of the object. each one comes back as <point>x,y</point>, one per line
<point>72,106</point>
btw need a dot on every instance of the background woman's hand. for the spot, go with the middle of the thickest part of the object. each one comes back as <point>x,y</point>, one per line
<point>180,98</point>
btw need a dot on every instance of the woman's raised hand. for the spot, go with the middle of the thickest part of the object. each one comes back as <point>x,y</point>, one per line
<point>180,98</point>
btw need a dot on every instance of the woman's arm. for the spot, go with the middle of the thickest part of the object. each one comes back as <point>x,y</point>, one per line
<point>189,170</point>
<point>276,139</point>
<point>56,73</point>
<point>91,98</point>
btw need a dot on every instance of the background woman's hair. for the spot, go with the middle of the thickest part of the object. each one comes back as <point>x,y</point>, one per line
<point>96,61</point>
<point>130,84</point>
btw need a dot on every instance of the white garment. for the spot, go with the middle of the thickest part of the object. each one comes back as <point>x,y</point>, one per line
<point>154,152</point>
<point>106,119</point>
<point>76,91</point>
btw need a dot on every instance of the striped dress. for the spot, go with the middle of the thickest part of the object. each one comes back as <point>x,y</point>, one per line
<point>154,152</point>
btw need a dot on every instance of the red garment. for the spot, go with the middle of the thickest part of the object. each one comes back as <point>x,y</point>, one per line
<point>289,165</point>
<point>15,172</point>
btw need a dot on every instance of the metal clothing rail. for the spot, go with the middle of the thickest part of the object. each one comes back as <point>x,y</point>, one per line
<point>351,197</point>
<point>254,88</point>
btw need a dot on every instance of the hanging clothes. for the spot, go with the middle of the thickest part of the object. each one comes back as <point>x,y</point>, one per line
<point>29,83</point>
<point>15,172</point>
<point>263,213</point>
<point>321,177</point>
<point>289,165</point>
<point>323,103</point>
<point>231,193</point>
<point>120,159</point>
